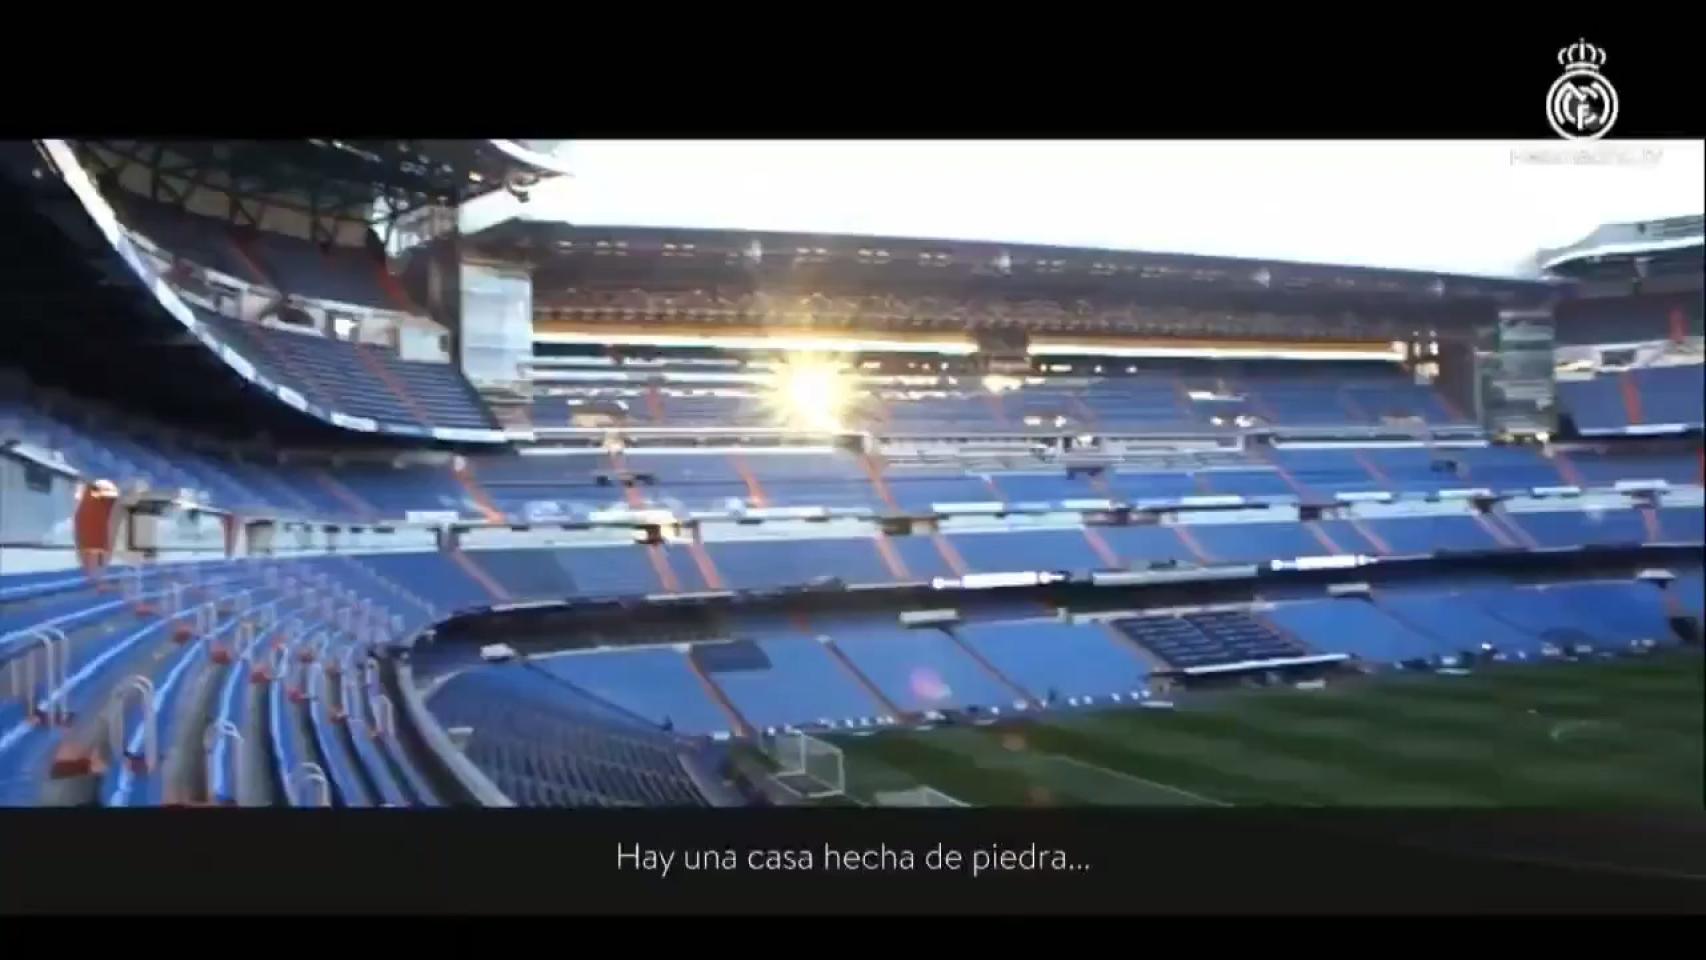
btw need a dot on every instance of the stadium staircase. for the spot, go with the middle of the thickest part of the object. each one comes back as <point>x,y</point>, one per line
<point>365,355</point>
<point>464,471</point>
<point>478,574</point>
<point>345,495</point>
<point>1020,694</point>
<point>860,678</point>
<point>718,696</point>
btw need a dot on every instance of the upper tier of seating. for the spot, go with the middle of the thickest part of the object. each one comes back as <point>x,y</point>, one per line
<point>102,444</point>
<point>357,379</point>
<point>1141,402</point>
<point>1635,399</point>
<point>1596,320</point>
<point>294,265</point>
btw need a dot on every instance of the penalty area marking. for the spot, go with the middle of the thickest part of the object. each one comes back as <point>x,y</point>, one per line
<point>1180,791</point>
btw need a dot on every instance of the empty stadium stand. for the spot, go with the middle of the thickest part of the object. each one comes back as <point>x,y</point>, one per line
<point>544,746</point>
<point>282,624</point>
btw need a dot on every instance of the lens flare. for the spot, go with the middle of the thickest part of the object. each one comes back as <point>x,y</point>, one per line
<point>810,392</point>
<point>928,685</point>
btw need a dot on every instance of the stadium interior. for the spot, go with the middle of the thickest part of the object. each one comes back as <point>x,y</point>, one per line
<point>311,499</point>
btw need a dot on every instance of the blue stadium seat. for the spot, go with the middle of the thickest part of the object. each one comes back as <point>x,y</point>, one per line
<point>1356,627</point>
<point>1460,621</point>
<point>1575,528</point>
<point>1418,536</point>
<point>1072,660</point>
<point>771,564</point>
<point>1254,542</point>
<point>1142,546</point>
<point>921,670</point>
<point>1672,395</point>
<point>544,746</point>
<point>1595,404</point>
<point>1014,551</point>
<point>1682,524</point>
<point>655,682</point>
<point>800,685</point>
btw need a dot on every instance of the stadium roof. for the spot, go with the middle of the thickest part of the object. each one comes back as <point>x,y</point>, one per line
<point>1469,208</point>
<point>1678,239</point>
<point>329,179</point>
<point>643,256</point>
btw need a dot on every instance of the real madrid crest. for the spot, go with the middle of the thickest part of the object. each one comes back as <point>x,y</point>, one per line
<point>1582,104</point>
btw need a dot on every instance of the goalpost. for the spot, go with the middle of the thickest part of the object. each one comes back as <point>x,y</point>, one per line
<point>807,766</point>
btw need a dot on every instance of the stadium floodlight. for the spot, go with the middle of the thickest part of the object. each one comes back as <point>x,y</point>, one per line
<point>810,391</point>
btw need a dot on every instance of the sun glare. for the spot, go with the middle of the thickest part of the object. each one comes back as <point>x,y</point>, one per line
<point>811,392</point>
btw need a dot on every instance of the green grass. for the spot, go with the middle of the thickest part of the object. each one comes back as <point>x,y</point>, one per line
<point>1618,733</point>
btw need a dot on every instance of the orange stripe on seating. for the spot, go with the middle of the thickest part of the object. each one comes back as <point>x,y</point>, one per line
<point>1494,531</point>
<point>891,558</point>
<point>736,721</point>
<point>1105,553</point>
<point>874,470</point>
<point>1373,538</point>
<point>619,467</point>
<point>1508,523</point>
<point>1451,409</point>
<point>1650,520</point>
<point>348,496</point>
<point>1322,537</point>
<point>1185,537</point>
<point>753,488</point>
<point>1285,474</point>
<point>1372,468</point>
<point>1566,468</point>
<point>660,566</point>
<point>994,491</point>
<point>465,476</point>
<point>950,556</point>
<point>864,682</point>
<point>479,574</point>
<point>992,670</point>
<point>707,569</point>
<point>392,383</point>
<point>1631,397</point>
<point>1352,407</point>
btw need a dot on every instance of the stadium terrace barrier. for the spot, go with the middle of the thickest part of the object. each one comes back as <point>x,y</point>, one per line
<point>106,221</point>
<point>467,774</point>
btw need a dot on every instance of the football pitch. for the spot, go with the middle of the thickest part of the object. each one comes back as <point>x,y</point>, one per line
<point>1626,732</point>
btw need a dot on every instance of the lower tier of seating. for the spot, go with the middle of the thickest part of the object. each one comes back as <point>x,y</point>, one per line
<point>543,745</point>
<point>228,682</point>
<point>858,671</point>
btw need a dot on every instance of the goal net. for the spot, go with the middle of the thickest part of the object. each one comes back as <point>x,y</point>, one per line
<point>807,766</point>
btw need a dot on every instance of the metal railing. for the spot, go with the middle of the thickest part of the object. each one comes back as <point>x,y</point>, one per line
<point>47,657</point>
<point>309,774</point>
<point>217,733</point>
<point>137,685</point>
